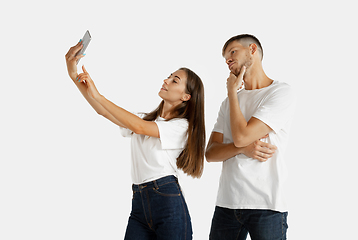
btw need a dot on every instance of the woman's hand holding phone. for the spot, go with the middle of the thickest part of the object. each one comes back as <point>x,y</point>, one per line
<point>71,59</point>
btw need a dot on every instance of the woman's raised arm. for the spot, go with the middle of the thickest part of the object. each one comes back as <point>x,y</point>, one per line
<point>115,113</point>
<point>71,61</point>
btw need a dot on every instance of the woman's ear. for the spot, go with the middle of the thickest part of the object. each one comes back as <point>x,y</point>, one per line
<point>186,97</point>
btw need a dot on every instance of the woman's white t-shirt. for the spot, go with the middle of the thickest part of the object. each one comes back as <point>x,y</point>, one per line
<point>154,158</point>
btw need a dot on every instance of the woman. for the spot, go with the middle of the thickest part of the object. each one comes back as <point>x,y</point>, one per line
<point>169,138</point>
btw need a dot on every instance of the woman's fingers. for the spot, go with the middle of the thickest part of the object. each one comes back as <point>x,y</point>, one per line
<point>79,57</point>
<point>83,76</point>
<point>77,47</point>
<point>84,69</point>
<point>73,51</point>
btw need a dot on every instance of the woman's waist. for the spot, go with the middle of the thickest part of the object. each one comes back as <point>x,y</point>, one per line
<point>155,182</point>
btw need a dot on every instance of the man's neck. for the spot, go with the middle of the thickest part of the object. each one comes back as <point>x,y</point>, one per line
<point>255,78</point>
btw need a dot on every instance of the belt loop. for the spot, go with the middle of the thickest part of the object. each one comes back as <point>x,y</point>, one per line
<point>155,185</point>
<point>141,186</point>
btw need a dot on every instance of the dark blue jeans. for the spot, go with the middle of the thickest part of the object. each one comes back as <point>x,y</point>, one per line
<point>235,224</point>
<point>159,212</point>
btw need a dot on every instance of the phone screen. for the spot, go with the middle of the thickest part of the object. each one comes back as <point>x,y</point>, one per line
<point>85,41</point>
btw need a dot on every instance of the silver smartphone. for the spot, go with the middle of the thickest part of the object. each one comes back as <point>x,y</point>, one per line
<point>85,41</point>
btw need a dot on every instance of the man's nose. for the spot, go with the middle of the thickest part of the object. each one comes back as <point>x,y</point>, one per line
<point>228,61</point>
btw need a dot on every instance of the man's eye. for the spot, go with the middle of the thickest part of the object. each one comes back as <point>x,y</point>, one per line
<point>232,52</point>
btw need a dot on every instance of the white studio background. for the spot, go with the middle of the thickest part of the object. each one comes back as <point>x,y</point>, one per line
<point>65,171</point>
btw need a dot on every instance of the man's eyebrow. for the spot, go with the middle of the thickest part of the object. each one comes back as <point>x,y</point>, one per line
<point>231,49</point>
<point>227,51</point>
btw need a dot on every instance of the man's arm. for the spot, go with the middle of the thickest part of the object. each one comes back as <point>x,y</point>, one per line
<point>217,151</point>
<point>243,133</point>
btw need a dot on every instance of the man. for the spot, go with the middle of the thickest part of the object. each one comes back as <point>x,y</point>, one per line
<point>250,198</point>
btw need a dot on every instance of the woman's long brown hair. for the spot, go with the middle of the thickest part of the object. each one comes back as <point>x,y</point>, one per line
<point>191,159</point>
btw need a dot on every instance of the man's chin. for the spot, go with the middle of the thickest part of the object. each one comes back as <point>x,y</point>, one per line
<point>235,72</point>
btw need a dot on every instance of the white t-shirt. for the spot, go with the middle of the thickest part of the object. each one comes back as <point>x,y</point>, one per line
<point>153,158</point>
<point>246,183</point>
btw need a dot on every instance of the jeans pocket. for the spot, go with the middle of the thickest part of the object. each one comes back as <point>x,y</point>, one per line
<point>168,190</point>
<point>134,192</point>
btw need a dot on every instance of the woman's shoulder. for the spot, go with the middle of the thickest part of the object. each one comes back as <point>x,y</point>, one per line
<point>175,122</point>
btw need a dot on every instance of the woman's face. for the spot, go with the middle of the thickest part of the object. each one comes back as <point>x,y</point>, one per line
<point>173,88</point>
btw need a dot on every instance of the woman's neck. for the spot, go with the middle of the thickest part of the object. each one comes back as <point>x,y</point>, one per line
<point>167,110</point>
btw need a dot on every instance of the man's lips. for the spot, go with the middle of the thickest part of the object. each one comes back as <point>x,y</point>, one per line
<point>230,65</point>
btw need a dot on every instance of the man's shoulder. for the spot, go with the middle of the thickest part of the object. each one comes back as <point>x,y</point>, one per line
<point>281,94</point>
<point>280,85</point>
<point>281,88</point>
<point>225,102</point>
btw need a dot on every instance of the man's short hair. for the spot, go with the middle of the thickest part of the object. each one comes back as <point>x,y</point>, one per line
<point>245,40</point>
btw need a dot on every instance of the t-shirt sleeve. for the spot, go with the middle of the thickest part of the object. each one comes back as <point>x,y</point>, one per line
<point>173,133</point>
<point>125,132</point>
<point>219,125</point>
<point>278,108</point>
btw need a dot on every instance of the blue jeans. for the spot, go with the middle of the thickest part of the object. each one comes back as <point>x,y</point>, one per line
<point>159,212</point>
<point>235,224</point>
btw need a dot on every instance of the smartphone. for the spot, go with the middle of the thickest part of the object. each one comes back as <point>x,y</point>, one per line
<point>85,41</point>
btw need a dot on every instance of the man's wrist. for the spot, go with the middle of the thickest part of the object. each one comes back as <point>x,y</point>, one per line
<point>232,92</point>
<point>239,150</point>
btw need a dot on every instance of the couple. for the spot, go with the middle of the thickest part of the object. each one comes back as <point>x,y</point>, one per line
<point>249,137</point>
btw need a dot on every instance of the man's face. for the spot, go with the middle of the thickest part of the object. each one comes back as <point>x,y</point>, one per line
<point>236,56</point>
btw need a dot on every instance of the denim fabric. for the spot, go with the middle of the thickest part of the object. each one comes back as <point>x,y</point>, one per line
<point>159,212</point>
<point>235,224</point>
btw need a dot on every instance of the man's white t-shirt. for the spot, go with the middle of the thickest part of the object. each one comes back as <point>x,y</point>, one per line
<point>246,183</point>
<point>154,158</point>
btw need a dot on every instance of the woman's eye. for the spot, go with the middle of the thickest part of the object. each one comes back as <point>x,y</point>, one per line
<point>175,81</point>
